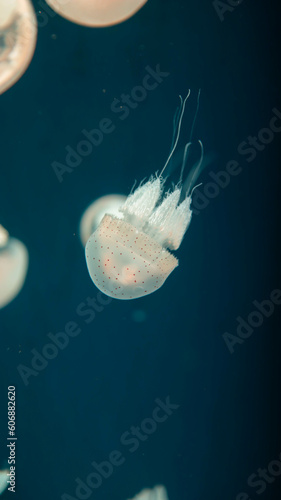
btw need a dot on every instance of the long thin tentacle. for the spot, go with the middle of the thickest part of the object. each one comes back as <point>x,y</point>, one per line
<point>191,131</point>
<point>175,123</point>
<point>195,116</point>
<point>185,156</point>
<point>182,108</point>
<point>194,173</point>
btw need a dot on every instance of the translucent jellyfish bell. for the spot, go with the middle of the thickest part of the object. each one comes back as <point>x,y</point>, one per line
<point>18,33</point>
<point>13,267</point>
<point>157,493</point>
<point>94,214</point>
<point>129,257</point>
<point>96,12</point>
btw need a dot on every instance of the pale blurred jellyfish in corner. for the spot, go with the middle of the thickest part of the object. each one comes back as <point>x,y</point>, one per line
<point>96,13</point>
<point>157,493</point>
<point>18,34</point>
<point>94,214</point>
<point>3,480</point>
<point>13,267</point>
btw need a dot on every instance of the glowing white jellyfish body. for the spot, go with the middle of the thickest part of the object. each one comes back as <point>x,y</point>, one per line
<point>129,257</point>
<point>97,13</point>
<point>94,214</point>
<point>157,493</point>
<point>18,33</point>
<point>13,267</point>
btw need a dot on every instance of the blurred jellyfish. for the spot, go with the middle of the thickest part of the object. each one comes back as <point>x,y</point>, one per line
<point>94,214</point>
<point>3,480</point>
<point>18,33</point>
<point>97,13</point>
<point>13,267</point>
<point>128,257</point>
<point>157,493</point>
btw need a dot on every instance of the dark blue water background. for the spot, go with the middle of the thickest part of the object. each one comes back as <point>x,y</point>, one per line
<point>107,379</point>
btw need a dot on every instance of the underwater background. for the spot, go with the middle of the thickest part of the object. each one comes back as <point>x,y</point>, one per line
<point>180,343</point>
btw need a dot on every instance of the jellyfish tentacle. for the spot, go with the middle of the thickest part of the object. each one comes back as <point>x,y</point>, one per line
<point>175,128</point>
<point>195,187</point>
<point>159,224</point>
<point>178,224</point>
<point>181,113</point>
<point>140,204</point>
<point>187,146</point>
<point>185,156</point>
<point>175,123</point>
<point>194,172</point>
<point>195,116</point>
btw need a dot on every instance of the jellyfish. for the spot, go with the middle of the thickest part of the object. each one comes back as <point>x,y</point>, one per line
<point>96,12</point>
<point>157,493</point>
<point>3,480</point>
<point>129,257</point>
<point>13,267</point>
<point>94,214</point>
<point>18,34</point>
